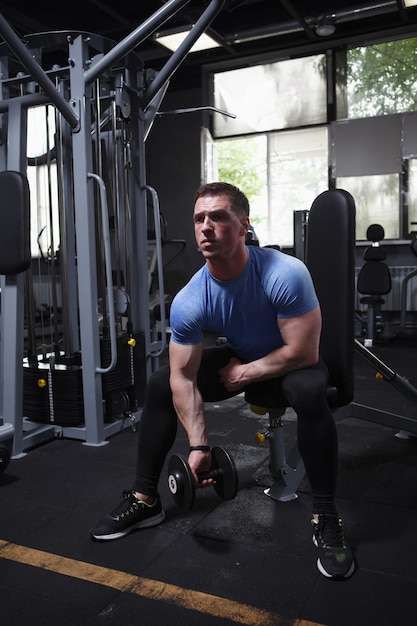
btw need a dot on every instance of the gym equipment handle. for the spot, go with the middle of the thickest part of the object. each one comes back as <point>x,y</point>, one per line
<point>160,266</point>
<point>109,276</point>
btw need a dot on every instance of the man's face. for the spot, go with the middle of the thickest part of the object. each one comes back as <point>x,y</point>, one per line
<point>218,230</point>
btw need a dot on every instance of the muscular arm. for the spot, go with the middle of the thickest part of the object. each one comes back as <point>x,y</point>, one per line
<point>301,337</point>
<point>184,363</point>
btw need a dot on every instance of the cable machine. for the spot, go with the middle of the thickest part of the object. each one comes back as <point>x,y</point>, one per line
<point>76,366</point>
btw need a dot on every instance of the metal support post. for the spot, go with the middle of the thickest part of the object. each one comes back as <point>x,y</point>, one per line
<point>86,252</point>
<point>287,476</point>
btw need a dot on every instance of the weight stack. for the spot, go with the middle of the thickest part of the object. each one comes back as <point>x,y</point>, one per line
<point>55,395</point>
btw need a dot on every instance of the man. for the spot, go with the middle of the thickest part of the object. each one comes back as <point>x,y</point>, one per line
<point>264,303</point>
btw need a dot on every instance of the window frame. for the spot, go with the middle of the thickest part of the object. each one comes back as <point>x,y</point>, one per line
<point>336,72</point>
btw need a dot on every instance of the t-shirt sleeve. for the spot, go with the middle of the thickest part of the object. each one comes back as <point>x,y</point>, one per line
<point>293,293</point>
<point>185,318</point>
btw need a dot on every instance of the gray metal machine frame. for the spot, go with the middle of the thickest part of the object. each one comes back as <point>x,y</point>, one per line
<point>90,59</point>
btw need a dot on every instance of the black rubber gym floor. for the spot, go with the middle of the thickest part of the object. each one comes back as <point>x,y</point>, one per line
<point>247,561</point>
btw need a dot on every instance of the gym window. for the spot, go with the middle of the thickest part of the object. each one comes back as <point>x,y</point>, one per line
<point>272,96</point>
<point>353,127</point>
<point>42,177</point>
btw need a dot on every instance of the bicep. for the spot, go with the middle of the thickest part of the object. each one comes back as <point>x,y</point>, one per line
<point>302,333</point>
<point>184,360</point>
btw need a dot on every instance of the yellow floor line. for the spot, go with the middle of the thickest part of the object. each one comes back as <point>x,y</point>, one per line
<point>147,588</point>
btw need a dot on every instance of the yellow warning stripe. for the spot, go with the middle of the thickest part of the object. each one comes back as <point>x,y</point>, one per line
<point>147,588</point>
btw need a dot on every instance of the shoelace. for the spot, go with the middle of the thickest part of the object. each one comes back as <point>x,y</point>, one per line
<point>128,503</point>
<point>330,531</point>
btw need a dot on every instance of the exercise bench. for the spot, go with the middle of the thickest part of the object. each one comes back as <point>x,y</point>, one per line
<point>330,258</point>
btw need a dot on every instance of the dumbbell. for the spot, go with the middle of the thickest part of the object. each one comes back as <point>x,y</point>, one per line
<point>181,481</point>
<point>4,458</point>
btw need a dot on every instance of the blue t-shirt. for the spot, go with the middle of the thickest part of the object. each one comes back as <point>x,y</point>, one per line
<point>244,310</point>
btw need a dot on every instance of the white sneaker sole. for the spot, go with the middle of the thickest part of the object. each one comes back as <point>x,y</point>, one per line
<point>147,523</point>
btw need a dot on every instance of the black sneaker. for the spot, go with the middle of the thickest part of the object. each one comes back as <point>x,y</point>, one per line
<point>130,514</point>
<point>335,558</point>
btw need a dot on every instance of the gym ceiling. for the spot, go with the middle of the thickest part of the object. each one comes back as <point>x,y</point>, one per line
<point>243,28</point>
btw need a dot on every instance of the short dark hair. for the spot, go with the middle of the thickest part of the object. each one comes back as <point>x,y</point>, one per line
<point>238,200</point>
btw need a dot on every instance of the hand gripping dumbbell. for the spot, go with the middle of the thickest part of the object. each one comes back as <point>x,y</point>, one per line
<point>181,481</point>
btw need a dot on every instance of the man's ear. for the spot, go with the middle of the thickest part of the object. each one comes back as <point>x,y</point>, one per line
<point>244,226</point>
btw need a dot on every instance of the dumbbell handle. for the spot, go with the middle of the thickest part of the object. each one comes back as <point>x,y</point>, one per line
<point>214,473</point>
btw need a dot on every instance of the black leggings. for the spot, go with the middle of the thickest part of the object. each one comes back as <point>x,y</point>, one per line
<point>304,389</point>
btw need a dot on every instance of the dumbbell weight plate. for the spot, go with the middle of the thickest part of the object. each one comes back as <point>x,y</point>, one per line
<point>226,487</point>
<point>181,482</point>
<point>4,458</point>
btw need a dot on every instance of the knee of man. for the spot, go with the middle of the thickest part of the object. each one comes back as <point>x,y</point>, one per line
<point>307,392</point>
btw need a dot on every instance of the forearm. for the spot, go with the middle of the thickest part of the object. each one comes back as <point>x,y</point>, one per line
<point>189,406</point>
<point>291,356</point>
<point>276,364</point>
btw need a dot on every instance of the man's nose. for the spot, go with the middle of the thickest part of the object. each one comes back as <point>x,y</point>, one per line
<point>207,222</point>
